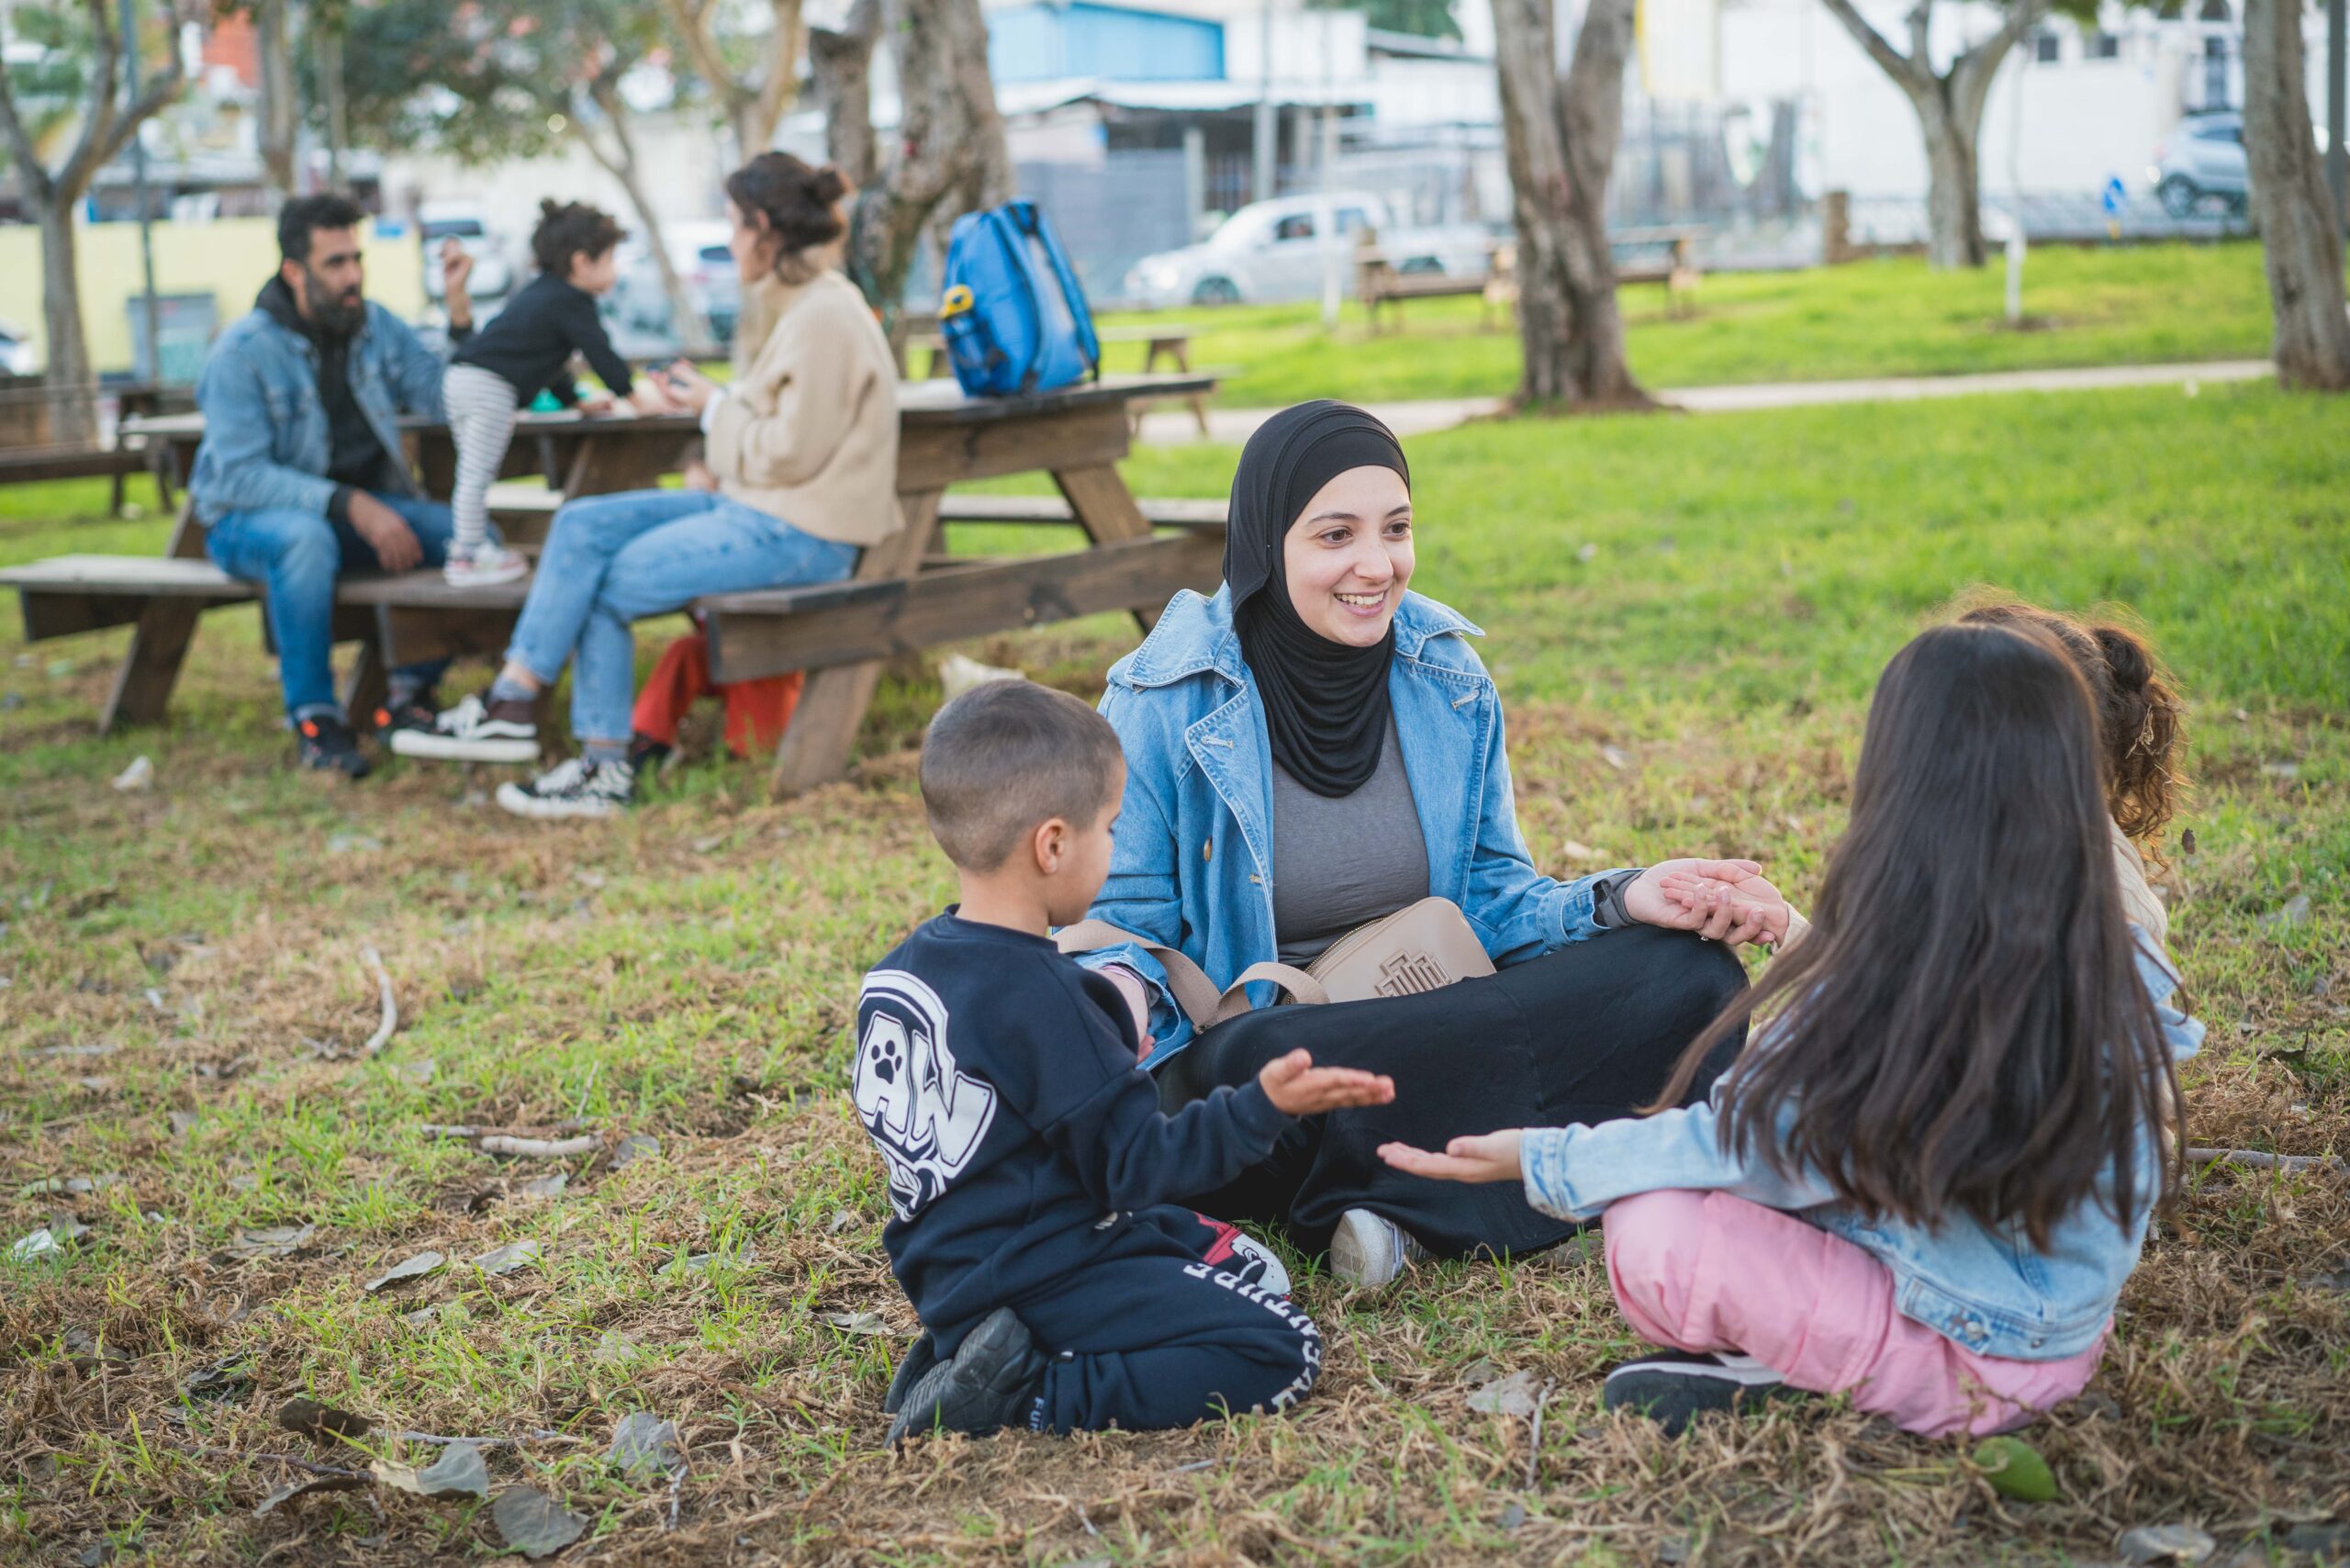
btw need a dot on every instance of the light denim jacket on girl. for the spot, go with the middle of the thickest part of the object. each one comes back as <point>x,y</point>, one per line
<point>1192,863</point>
<point>1984,1287</point>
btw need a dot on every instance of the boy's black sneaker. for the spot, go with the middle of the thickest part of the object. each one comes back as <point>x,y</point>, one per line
<point>475,730</point>
<point>917,1364</point>
<point>647,754</point>
<point>1673,1386</point>
<point>417,710</point>
<point>992,1382</point>
<point>572,787</point>
<point>326,744</point>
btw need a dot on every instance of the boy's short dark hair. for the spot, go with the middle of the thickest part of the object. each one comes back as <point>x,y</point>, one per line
<point>304,216</point>
<point>568,228</point>
<point>1009,754</point>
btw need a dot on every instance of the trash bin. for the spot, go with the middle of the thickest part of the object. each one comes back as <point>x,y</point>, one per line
<point>184,324</point>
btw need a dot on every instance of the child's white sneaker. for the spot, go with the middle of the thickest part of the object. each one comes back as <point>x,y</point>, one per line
<point>1368,1251</point>
<point>487,567</point>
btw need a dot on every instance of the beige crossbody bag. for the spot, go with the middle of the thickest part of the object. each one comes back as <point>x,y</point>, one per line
<point>1422,947</point>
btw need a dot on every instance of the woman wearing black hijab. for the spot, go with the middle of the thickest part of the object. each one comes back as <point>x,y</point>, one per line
<point>1316,747</point>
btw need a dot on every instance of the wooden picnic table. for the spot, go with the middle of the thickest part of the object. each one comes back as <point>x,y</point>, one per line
<point>901,596</point>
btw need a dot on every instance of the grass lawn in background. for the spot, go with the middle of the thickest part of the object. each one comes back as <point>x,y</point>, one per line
<point>1686,616</point>
<point>2084,304</point>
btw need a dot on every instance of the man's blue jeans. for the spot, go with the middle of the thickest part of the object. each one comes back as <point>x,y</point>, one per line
<point>613,559</point>
<point>296,557</point>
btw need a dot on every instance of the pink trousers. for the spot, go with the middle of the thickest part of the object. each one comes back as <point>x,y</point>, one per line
<point>1708,1272</point>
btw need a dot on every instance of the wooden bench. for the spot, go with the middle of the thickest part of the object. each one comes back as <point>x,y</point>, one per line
<point>1668,259</point>
<point>28,455</point>
<point>1162,341</point>
<point>902,596</point>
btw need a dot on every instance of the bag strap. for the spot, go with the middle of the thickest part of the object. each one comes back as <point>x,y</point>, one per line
<point>1193,991</point>
<point>1301,986</point>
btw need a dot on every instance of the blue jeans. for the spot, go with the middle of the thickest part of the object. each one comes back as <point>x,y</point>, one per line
<point>296,557</point>
<point>610,560</point>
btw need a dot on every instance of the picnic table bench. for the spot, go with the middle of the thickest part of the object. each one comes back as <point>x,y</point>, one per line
<point>904,594</point>
<point>30,409</point>
<point>1664,256</point>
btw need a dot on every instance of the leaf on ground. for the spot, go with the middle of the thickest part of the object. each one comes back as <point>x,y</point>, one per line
<point>858,1322</point>
<point>546,1186</point>
<point>31,1245</point>
<point>414,1268</point>
<point>458,1473</point>
<point>65,1228</point>
<point>701,1262</point>
<point>506,1259</point>
<point>1516,1395</point>
<point>2294,911</point>
<point>634,1147</point>
<point>2015,1469</point>
<point>185,1122</point>
<point>842,1220</point>
<point>222,1378</point>
<point>271,1241</point>
<point>58,1186</point>
<point>313,1418</point>
<point>2165,1543</point>
<point>643,1445</point>
<point>534,1523</point>
<point>305,1487</point>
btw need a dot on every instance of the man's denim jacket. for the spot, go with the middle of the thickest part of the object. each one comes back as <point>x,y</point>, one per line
<point>1192,863</point>
<point>265,441</point>
<point>1984,1287</point>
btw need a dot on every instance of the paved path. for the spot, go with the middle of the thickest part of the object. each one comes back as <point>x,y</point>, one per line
<point>1236,425</point>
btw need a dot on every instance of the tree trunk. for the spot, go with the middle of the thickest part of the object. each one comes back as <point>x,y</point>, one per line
<point>2301,233</point>
<point>1953,185</point>
<point>1561,138</point>
<point>72,390</point>
<point>694,334</point>
<point>842,64</point>
<point>279,111</point>
<point>952,139</point>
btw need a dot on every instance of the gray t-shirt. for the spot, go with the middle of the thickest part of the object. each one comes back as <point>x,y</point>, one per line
<point>1337,864</point>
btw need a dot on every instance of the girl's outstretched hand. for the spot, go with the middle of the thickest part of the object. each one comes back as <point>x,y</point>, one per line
<point>1488,1157</point>
<point>1298,1088</point>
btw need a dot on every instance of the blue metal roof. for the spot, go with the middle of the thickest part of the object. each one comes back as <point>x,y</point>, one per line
<point>1049,42</point>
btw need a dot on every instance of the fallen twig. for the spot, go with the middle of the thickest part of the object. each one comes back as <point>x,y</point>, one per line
<point>2200,1158</point>
<point>1534,1444</point>
<point>376,1041</point>
<point>314,1468</point>
<point>540,1147</point>
<point>543,1435</point>
<point>465,1130</point>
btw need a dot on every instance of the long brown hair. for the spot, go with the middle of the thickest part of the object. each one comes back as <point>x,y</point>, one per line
<point>1964,1026</point>
<point>2141,718</point>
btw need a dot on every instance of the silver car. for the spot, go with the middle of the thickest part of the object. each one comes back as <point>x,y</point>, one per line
<point>2202,160</point>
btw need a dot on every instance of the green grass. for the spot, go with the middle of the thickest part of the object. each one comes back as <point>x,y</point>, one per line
<point>1711,597</point>
<point>2084,306</point>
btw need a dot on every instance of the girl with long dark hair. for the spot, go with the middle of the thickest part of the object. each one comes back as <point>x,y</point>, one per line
<point>1928,1174</point>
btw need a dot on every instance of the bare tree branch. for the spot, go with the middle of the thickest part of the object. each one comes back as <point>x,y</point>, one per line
<point>1891,61</point>
<point>98,119</point>
<point>1971,73</point>
<point>39,186</point>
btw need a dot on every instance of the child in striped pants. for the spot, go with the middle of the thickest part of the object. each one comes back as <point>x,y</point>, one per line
<point>527,347</point>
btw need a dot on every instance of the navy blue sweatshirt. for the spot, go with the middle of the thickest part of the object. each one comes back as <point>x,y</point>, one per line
<point>998,1078</point>
<point>531,339</point>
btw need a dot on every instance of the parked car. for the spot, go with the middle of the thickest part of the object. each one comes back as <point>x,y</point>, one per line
<point>698,249</point>
<point>16,351</point>
<point>2203,158</point>
<point>437,221</point>
<point>1271,250</point>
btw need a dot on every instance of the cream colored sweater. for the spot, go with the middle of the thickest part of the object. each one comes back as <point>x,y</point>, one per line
<point>808,431</point>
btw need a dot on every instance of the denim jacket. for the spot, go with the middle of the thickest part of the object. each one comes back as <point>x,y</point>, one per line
<point>1192,863</point>
<point>1984,1287</point>
<point>265,441</point>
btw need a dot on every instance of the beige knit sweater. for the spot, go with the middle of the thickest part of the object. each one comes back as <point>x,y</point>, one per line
<point>808,431</point>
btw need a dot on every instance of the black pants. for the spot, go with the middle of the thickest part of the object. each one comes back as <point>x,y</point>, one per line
<point>1583,1035</point>
<point>1168,1326</point>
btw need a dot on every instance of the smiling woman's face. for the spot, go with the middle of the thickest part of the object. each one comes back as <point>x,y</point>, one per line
<point>1348,555</point>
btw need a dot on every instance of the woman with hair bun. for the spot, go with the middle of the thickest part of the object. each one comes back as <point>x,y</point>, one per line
<point>801,474</point>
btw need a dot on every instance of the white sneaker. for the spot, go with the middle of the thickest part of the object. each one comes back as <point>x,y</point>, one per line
<point>487,567</point>
<point>1368,1251</point>
<point>573,789</point>
<point>473,732</point>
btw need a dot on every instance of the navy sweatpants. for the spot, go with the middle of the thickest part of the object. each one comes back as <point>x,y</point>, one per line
<point>1170,1326</point>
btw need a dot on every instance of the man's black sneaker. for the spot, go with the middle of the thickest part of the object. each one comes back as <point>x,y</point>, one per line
<point>917,1364</point>
<point>993,1382</point>
<point>417,710</point>
<point>647,754</point>
<point>326,744</point>
<point>572,787</point>
<point>474,730</point>
<point>1673,1387</point>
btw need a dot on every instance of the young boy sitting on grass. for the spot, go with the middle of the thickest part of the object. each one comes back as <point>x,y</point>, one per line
<point>1030,1166</point>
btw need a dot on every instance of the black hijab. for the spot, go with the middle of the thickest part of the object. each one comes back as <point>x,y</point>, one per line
<point>1325,703</point>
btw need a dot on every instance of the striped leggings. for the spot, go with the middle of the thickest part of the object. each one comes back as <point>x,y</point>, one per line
<point>481,405</point>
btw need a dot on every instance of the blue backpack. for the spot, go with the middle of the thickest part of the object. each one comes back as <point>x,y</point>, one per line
<point>1013,317</point>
